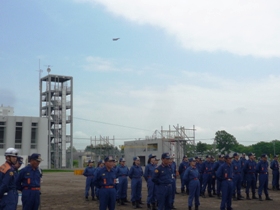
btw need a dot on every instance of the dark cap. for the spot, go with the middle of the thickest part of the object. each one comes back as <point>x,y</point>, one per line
<point>235,154</point>
<point>250,154</point>
<point>157,159</point>
<point>196,157</point>
<point>152,156</point>
<point>109,158</point>
<point>264,156</point>
<point>191,160</point>
<point>207,156</point>
<point>90,161</point>
<point>221,156</point>
<point>122,160</point>
<point>20,159</point>
<point>165,156</point>
<point>185,156</point>
<point>100,161</point>
<point>227,157</point>
<point>36,156</point>
<point>136,158</point>
<point>275,156</point>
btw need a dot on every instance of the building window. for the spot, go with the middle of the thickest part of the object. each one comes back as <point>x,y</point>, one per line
<point>33,142</point>
<point>2,135</point>
<point>152,147</point>
<point>18,140</point>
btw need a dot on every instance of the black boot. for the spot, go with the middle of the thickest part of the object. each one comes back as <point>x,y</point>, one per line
<point>219,196</point>
<point>119,202</point>
<point>203,195</point>
<point>234,197</point>
<point>260,198</point>
<point>86,198</point>
<point>134,204</point>
<point>214,192</point>
<point>122,202</point>
<point>268,198</point>
<point>173,207</point>
<point>126,201</point>
<point>138,204</point>
<point>182,191</point>
<point>190,208</point>
<point>254,196</point>
<point>196,207</point>
<point>239,197</point>
<point>248,197</point>
<point>149,206</point>
<point>210,194</point>
<point>154,206</point>
<point>140,201</point>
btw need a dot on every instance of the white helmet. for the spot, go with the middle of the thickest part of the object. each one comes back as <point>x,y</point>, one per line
<point>11,152</point>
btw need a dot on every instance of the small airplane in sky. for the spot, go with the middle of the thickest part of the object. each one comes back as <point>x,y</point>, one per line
<point>116,39</point>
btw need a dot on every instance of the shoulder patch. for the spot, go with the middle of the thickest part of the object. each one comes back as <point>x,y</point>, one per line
<point>156,171</point>
<point>4,168</point>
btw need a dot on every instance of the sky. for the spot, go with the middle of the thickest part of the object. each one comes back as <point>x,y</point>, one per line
<point>212,64</point>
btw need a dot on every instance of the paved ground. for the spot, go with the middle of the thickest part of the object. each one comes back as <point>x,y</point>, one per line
<point>65,191</point>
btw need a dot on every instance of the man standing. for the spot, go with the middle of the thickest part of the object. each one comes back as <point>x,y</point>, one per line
<point>29,181</point>
<point>149,170</point>
<point>122,174</point>
<point>275,172</point>
<point>8,192</point>
<point>173,166</point>
<point>206,170</point>
<point>250,172</point>
<point>236,163</point>
<point>105,180</point>
<point>225,175</point>
<point>162,177</point>
<point>262,169</point>
<point>89,174</point>
<point>243,177</point>
<point>216,165</point>
<point>182,167</point>
<point>191,178</point>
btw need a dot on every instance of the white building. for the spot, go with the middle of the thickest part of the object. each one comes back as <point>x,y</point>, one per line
<point>27,134</point>
<point>6,111</point>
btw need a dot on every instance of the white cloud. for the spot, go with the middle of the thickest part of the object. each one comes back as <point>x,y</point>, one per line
<point>250,27</point>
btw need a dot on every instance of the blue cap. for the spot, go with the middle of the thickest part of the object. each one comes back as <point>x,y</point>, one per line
<point>196,157</point>
<point>235,154</point>
<point>185,156</point>
<point>136,158</point>
<point>109,158</point>
<point>100,161</point>
<point>191,160</point>
<point>221,156</point>
<point>250,154</point>
<point>151,156</point>
<point>36,156</point>
<point>264,155</point>
<point>207,156</point>
<point>275,156</point>
<point>227,157</point>
<point>20,159</point>
<point>122,160</point>
<point>165,155</point>
<point>90,161</point>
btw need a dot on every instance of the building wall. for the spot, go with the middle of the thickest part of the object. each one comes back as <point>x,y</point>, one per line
<point>41,143</point>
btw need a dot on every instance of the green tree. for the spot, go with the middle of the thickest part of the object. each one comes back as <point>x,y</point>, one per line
<point>201,147</point>
<point>225,141</point>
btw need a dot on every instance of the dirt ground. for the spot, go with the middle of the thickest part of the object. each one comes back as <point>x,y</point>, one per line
<point>65,191</point>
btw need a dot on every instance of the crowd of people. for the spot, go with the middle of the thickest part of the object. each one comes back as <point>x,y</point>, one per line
<point>222,179</point>
<point>27,181</point>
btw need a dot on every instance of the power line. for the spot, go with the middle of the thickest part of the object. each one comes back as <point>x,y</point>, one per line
<point>123,126</point>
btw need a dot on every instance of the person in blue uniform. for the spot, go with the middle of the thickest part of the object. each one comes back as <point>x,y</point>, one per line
<point>105,180</point>
<point>173,166</point>
<point>225,175</point>
<point>17,167</point>
<point>275,173</point>
<point>100,164</point>
<point>206,170</point>
<point>216,165</point>
<point>89,174</point>
<point>182,167</point>
<point>191,178</point>
<point>243,177</point>
<point>250,172</point>
<point>135,174</point>
<point>237,168</point>
<point>122,174</point>
<point>198,166</point>
<point>262,170</point>
<point>162,177</point>
<point>149,170</point>
<point>8,192</point>
<point>29,182</point>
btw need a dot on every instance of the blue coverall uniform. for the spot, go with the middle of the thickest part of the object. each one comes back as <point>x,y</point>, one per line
<point>149,170</point>
<point>191,178</point>
<point>135,174</point>
<point>262,170</point>
<point>275,172</point>
<point>236,164</point>
<point>105,180</point>
<point>122,174</point>
<point>29,181</point>
<point>225,175</point>
<point>243,176</point>
<point>198,166</point>
<point>162,177</point>
<point>8,192</point>
<point>216,165</point>
<point>206,170</point>
<point>173,166</point>
<point>182,167</point>
<point>89,174</point>
<point>250,172</point>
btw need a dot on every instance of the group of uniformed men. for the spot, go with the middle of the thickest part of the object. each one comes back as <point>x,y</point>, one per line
<point>27,180</point>
<point>223,178</point>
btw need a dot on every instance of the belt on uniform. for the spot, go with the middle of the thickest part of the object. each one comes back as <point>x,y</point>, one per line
<point>195,178</point>
<point>228,179</point>
<point>208,172</point>
<point>251,172</point>
<point>263,172</point>
<point>167,185</point>
<point>107,187</point>
<point>31,188</point>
